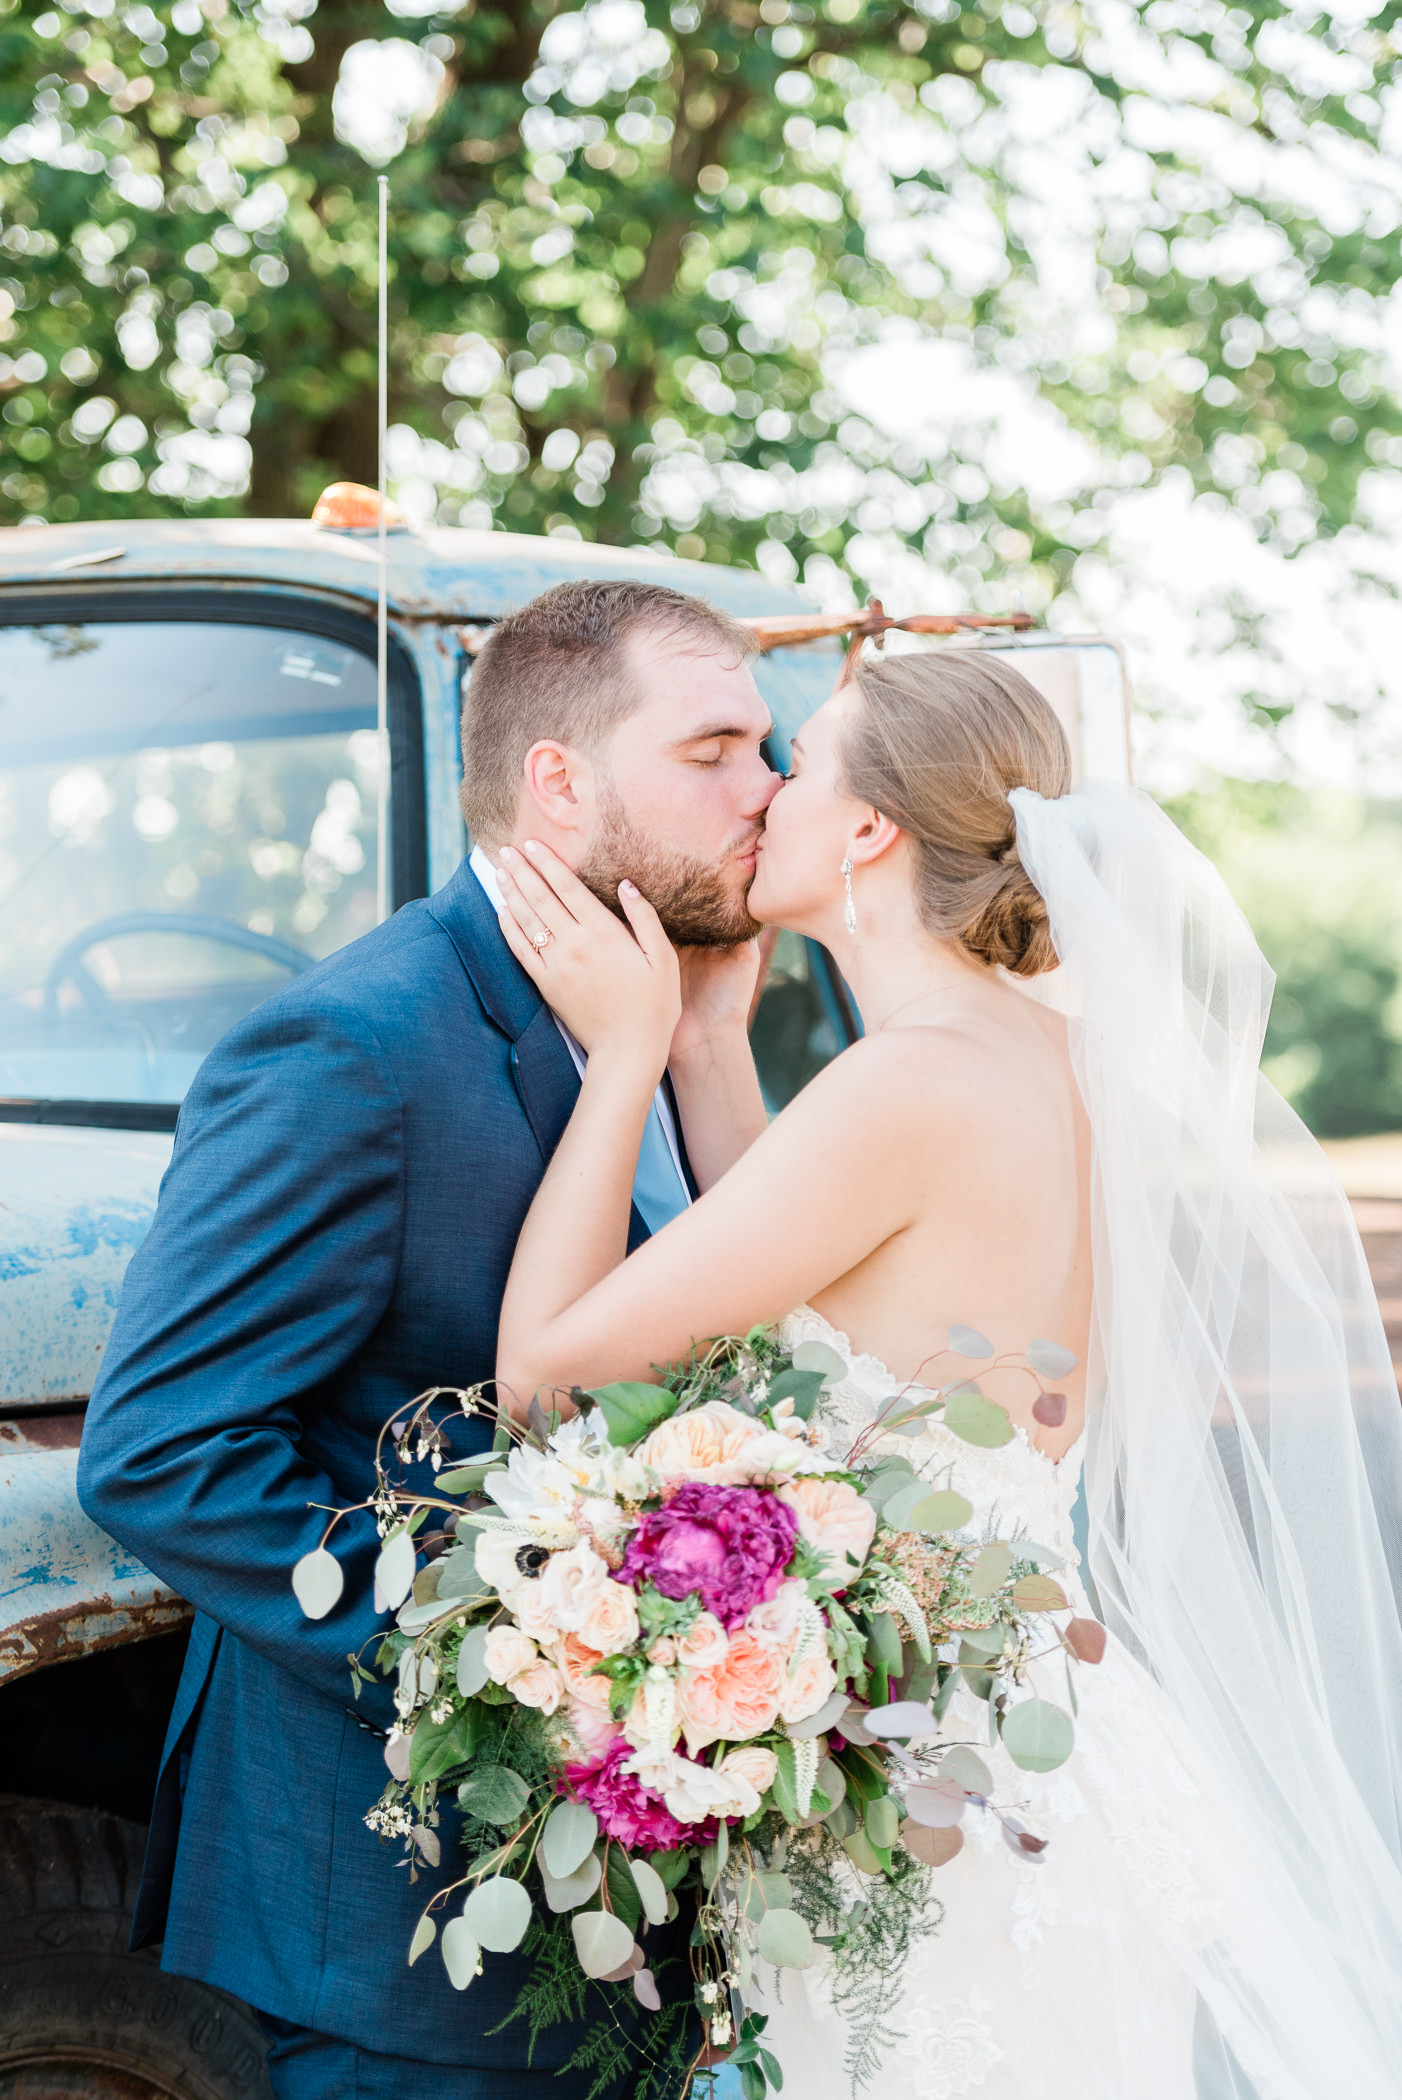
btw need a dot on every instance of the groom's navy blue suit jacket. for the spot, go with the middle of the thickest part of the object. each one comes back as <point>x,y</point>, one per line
<point>350,1173</point>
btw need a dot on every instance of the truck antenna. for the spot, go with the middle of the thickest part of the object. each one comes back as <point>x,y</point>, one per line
<point>382,607</point>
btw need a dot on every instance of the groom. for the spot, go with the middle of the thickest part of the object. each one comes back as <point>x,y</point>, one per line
<point>351,1171</point>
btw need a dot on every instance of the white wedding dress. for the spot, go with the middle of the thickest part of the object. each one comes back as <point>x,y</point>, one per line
<point>1218,1915</point>
<point>1064,1980</point>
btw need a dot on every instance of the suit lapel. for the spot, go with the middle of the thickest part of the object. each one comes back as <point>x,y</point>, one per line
<point>541,1065</point>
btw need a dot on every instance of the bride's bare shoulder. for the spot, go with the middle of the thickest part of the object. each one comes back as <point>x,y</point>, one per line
<point>945,1072</point>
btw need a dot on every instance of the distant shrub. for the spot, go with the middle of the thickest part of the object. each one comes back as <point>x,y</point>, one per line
<point>1320,878</point>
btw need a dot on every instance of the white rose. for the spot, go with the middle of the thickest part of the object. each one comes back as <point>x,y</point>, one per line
<point>704,1644</point>
<point>776,1622</point>
<point>508,1652</point>
<point>811,1685</point>
<point>608,1618</point>
<point>568,1582</point>
<point>540,1686</point>
<point>753,1764</point>
<point>693,1792</point>
<point>533,1613</point>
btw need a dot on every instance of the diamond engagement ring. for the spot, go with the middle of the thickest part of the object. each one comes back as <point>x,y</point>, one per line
<point>538,940</point>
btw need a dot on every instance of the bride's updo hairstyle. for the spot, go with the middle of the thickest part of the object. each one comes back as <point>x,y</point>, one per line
<point>936,743</point>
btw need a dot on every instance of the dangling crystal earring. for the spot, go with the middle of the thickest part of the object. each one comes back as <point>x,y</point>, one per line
<point>849,909</point>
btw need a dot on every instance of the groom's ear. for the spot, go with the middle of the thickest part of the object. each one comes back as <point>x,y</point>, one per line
<point>559,789</point>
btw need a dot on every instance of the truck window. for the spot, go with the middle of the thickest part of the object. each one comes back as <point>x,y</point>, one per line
<point>187,820</point>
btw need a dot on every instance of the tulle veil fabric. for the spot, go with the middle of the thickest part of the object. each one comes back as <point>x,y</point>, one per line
<point>1244,1445</point>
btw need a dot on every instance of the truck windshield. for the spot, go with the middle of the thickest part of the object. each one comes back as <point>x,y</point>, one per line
<point>187,820</point>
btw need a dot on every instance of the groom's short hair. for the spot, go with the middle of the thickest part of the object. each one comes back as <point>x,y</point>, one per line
<point>558,669</point>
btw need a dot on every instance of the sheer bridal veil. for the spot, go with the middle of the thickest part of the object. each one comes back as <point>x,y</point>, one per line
<point>1244,1444</point>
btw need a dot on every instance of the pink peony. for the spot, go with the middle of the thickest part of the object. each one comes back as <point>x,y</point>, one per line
<point>627,1810</point>
<point>727,1545</point>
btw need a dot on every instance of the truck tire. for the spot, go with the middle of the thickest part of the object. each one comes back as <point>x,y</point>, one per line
<point>80,2017</point>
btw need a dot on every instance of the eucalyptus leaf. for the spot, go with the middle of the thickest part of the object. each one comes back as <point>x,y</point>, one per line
<point>967,1341</point>
<point>1039,1593</point>
<point>897,1506</point>
<point>832,1781</point>
<point>317,1582</point>
<point>991,1569</point>
<point>568,1838</point>
<point>889,1481</point>
<point>883,1822</point>
<point>462,1957</point>
<point>425,1933</point>
<point>472,1661</point>
<point>394,1570</point>
<point>417,1618</point>
<point>645,1990</point>
<point>397,1751</point>
<point>802,1387</point>
<point>465,1480</point>
<point>1050,1359</point>
<point>1041,1556</point>
<point>1086,1639</point>
<point>498,1913</point>
<point>977,1420</point>
<point>651,1892</point>
<point>459,1579</point>
<point>570,1890</point>
<point>495,1794</point>
<point>982,1645</point>
<point>1037,1735</point>
<point>938,1804</point>
<point>862,1853</point>
<point>785,1940</point>
<point>818,1356</point>
<point>934,1847</point>
<point>602,1941</point>
<point>775,1888</point>
<point>630,1409</point>
<point>903,1720</point>
<point>962,1766</point>
<point>945,1510</point>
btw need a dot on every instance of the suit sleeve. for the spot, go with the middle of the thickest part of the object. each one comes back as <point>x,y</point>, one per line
<point>272,1258</point>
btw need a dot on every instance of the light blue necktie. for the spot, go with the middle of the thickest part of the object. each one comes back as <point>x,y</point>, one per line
<point>657,1189</point>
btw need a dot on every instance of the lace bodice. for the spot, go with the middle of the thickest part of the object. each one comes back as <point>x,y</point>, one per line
<point>1015,1490</point>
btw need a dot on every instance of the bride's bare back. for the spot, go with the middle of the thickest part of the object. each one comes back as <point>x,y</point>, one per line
<point>1000,1240</point>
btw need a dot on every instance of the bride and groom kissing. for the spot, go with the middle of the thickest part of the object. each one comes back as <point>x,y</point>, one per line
<point>516,1131</point>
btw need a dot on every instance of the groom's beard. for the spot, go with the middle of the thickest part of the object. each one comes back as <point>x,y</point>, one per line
<point>690,897</point>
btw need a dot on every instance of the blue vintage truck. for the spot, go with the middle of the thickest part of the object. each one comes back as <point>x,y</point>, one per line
<point>189,815</point>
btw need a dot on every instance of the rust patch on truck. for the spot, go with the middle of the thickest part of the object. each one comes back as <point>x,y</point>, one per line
<point>67,1636</point>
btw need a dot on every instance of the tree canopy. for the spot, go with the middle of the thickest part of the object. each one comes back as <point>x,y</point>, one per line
<point>633,247</point>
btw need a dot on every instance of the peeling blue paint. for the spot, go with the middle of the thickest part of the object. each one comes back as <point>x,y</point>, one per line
<point>76,1205</point>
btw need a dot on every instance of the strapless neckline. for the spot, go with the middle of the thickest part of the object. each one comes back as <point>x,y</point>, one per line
<point>867,1368</point>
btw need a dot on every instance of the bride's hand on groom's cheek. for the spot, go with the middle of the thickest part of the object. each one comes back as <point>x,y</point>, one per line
<point>617,990</point>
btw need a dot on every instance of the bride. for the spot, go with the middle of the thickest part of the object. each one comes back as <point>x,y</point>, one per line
<point>1055,1125</point>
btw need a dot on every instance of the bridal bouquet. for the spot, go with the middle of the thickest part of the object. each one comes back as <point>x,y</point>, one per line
<point>678,1648</point>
